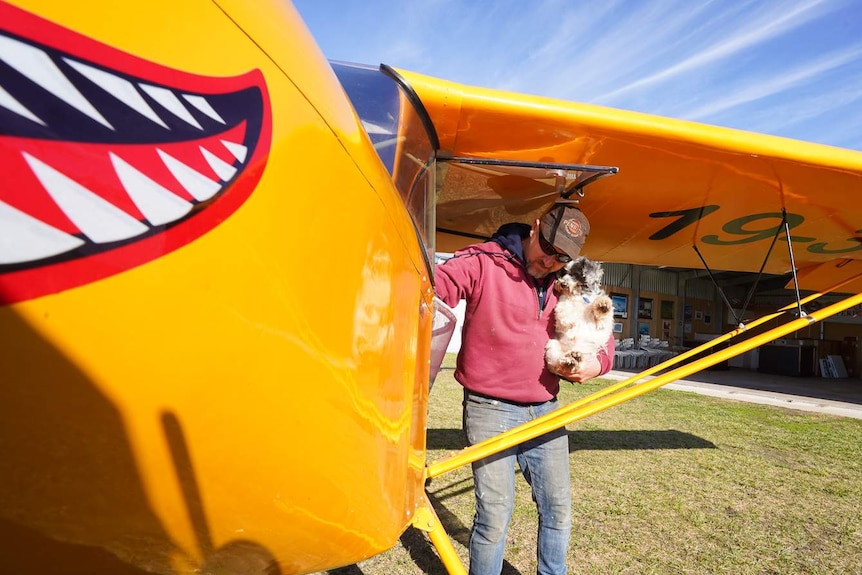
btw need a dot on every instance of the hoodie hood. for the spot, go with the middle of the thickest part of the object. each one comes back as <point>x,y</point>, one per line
<point>510,237</point>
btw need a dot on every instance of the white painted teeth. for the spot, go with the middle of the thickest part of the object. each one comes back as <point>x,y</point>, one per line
<point>10,103</point>
<point>119,88</point>
<point>238,150</point>
<point>38,67</point>
<point>171,103</point>
<point>24,238</point>
<point>159,205</point>
<point>97,219</point>
<point>201,104</point>
<point>222,169</point>
<point>198,185</point>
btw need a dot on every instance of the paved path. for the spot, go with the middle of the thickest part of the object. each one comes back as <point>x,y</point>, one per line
<point>842,397</point>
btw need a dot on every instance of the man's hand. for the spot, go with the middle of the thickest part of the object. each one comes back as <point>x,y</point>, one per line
<point>588,369</point>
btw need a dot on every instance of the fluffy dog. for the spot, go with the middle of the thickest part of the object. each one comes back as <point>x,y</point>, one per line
<point>583,316</point>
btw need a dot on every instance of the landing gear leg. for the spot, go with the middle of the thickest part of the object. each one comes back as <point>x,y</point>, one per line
<point>426,520</point>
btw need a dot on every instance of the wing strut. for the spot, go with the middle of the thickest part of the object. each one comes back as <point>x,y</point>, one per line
<point>784,226</point>
<point>763,265</point>
<point>720,291</point>
<point>792,263</point>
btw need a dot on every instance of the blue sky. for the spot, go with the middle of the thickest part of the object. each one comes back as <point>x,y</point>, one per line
<point>790,68</point>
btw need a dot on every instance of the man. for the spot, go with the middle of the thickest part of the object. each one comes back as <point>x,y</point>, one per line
<point>507,283</point>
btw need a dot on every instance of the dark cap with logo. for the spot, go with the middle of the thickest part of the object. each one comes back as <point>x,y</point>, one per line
<point>566,227</point>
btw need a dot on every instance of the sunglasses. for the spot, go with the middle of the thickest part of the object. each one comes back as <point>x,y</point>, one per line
<point>551,250</point>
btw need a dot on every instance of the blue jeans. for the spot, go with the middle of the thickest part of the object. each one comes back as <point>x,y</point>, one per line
<point>544,462</point>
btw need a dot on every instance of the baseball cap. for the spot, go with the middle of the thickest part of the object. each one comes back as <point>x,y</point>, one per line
<point>565,227</point>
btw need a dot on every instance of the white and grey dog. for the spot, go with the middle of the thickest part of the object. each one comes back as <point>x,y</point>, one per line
<point>583,317</point>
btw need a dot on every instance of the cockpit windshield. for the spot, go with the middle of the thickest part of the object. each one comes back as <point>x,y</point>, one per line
<point>400,138</point>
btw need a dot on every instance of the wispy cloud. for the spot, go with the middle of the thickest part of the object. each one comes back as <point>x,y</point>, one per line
<point>752,32</point>
<point>729,63</point>
<point>778,83</point>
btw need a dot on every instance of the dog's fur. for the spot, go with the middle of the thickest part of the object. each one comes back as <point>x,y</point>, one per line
<point>583,316</point>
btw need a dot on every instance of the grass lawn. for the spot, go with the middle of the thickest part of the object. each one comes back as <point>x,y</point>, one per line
<point>671,483</point>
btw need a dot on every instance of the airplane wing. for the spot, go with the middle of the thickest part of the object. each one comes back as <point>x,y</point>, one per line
<point>680,184</point>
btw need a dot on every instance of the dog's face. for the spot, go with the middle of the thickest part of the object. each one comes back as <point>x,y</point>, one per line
<point>580,276</point>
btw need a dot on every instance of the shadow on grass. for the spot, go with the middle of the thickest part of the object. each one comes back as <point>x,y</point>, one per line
<point>453,439</point>
<point>445,439</point>
<point>349,570</point>
<point>420,548</point>
<point>636,439</point>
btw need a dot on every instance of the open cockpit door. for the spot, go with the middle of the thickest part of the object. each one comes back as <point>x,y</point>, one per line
<point>475,196</point>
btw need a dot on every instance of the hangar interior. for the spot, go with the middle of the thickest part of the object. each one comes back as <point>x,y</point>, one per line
<point>674,309</point>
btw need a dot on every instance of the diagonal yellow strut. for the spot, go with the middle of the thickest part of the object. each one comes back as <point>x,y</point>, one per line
<point>426,520</point>
<point>593,404</point>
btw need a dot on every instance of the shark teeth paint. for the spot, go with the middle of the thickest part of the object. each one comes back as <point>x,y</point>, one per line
<point>105,169</point>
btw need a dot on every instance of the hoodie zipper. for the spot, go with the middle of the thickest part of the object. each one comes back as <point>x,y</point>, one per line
<point>541,292</point>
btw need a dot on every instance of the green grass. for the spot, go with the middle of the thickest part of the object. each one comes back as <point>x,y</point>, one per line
<point>669,483</point>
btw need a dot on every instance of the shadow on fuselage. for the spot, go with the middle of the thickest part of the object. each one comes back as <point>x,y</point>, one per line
<point>71,497</point>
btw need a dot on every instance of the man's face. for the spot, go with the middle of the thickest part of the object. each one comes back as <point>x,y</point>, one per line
<point>539,262</point>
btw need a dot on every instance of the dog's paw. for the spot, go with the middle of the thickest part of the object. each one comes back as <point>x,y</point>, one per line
<point>603,304</point>
<point>601,308</point>
<point>572,361</point>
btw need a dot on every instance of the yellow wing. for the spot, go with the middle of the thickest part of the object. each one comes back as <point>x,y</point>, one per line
<point>680,184</point>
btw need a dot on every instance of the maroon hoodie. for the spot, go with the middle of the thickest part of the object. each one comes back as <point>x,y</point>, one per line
<point>507,322</point>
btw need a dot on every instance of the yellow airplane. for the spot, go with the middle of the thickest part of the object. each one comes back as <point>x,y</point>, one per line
<point>216,274</point>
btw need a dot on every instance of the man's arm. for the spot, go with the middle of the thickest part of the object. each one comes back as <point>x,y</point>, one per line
<point>454,279</point>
